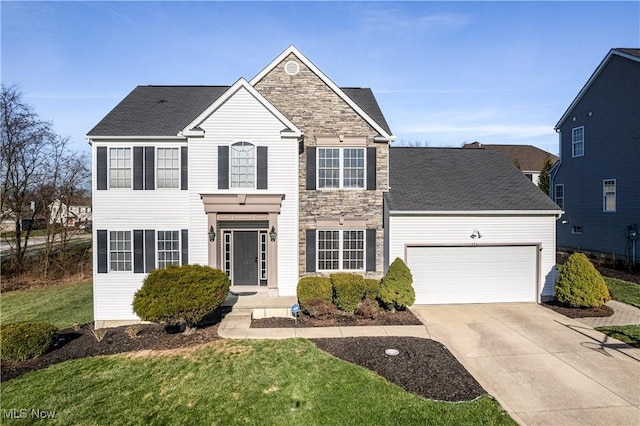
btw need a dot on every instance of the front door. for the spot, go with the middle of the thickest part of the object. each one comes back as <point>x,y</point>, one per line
<point>245,258</point>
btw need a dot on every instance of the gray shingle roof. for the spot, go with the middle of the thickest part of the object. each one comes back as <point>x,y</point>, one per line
<point>633,52</point>
<point>457,179</point>
<point>530,158</point>
<point>166,110</point>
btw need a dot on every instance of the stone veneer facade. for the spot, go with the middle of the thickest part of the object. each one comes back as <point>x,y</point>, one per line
<point>319,112</point>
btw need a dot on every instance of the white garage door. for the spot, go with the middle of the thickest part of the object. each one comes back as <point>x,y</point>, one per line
<point>473,274</point>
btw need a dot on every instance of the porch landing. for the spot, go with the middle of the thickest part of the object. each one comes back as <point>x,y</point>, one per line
<point>259,305</point>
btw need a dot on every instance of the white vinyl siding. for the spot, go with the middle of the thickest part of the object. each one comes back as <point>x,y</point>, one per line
<point>340,250</point>
<point>609,195</point>
<point>120,251</point>
<point>168,253</point>
<point>120,167</point>
<point>168,168</point>
<point>341,168</point>
<point>577,141</point>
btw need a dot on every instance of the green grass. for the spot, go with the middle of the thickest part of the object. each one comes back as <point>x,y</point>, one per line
<point>627,333</point>
<point>60,305</point>
<point>624,291</point>
<point>260,382</point>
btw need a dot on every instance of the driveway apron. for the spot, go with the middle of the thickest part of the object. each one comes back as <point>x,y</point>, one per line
<point>544,368</point>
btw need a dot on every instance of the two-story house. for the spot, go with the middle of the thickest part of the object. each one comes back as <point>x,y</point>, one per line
<point>597,180</point>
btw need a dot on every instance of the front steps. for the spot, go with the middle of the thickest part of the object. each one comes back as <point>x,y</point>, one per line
<point>258,306</point>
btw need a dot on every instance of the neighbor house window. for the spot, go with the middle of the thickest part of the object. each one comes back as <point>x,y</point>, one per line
<point>168,168</point>
<point>577,142</point>
<point>609,195</point>
<point>243,165</point>
<point>341,250</point>
<point>168,248</point>
<point>120,250</point>
<point>559,196</point>
<point>341,168</point>
<point>576,230</point>
<point>120,167</point>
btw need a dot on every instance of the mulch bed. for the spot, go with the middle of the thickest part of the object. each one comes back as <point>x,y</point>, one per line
<point>385,318</point>
<point>571,312</point>
<point>423,366</point>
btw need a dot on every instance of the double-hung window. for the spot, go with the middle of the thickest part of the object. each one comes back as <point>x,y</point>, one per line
<point>168,168</point>
<point>341,168</point>
<point>559,195</point>
<point>120,250</point>
<point>341,250</point>
<point>168,248</point>
<point>243,165</point>
<point>609,195</point>
<point>577,141</point>
<point>120,167</point>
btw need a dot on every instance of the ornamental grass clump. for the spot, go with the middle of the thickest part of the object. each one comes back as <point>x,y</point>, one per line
<point>348,290</point>
<point>180,295</point>
<point>396,288</point>
<point>580,284</point>
<point>24,340</point>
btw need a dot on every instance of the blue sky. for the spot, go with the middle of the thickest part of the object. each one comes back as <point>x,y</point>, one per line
<point>444,73</point>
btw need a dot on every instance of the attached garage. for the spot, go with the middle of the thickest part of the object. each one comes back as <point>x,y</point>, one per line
<point>470,226</point>
<point>473,274</point>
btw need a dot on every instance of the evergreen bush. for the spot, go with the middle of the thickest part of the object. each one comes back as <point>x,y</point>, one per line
<point>181,294</point>
<point>24,340</point>
<point>372,288</point>
<point>348,289</point>
<point>314,288</point>
<point>396,288</point>
<point>580,284</point>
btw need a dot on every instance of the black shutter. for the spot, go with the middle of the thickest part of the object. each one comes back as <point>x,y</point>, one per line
<point>311,250</point>
<point>184,168</point>
<point>149,167</point>
<point>101,235</point>
<point>149,250</point>
<point>262,167</point>
<point>311,167</point>
<point>185,246</point>
<point>138,168</point>
<point>371,250</point>
<point>138,251</point>
<point>223,167</point>
<point>371,168</point>
<point>101,166</point>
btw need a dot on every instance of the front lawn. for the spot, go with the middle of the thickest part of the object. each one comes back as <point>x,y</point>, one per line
<point>629,334</point>
<point>60,305</point>
<point>264,382</point>
<point>624,291</point>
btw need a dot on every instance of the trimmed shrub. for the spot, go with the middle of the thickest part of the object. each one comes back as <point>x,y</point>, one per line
<point>314,288</point>
<point>580,284</point>
<point>372,288</point>
<point>25,340</point>
<point>396,289</point>
<point>181,294</point>
<point>319,308</point>
<point>368,309</point>
<point>348,290</point>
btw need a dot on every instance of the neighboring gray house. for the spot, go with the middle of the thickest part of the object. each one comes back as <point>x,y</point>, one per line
<point>597,180</point>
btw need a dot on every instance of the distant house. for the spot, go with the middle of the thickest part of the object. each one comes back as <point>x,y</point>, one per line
<point>72,215</point>
<point>597,180</point>
<point>528,158</point>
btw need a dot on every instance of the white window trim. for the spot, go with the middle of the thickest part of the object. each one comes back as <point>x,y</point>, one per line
<point>157,250</point>
<point>341,250</point>
<point>573,143</point>
<point>109,251</point>
<point>155,168</point>
<point>555,192</point>
<point>604,195</point>
<point>109,168</point>
<point>255,167</point>
<point>341,169</point>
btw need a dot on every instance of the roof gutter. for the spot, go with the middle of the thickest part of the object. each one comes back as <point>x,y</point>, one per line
<point>475,212</point>
<point>385,139</point>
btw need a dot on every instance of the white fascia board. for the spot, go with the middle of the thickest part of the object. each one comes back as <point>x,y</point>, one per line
<point>134,138</point>
<point>241,83</point>
<point>474,212</point>
<point>326,80</point>
<point>595,75</point>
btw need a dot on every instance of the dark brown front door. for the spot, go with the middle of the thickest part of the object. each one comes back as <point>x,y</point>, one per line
<point>245,258</point>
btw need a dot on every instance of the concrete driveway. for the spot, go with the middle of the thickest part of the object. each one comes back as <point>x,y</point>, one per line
<point>544,368</point>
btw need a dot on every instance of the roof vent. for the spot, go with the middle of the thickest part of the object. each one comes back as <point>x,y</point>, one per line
<point>292,68</point>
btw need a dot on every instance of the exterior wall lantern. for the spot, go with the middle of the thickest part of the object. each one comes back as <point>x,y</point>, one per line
<point>212,234</point>
<point>273,234</point>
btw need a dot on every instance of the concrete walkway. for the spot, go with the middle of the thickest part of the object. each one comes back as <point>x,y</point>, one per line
<point>543,368</point>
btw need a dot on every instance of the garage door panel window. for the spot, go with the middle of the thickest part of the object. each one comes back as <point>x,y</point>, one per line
<point>341,250</point>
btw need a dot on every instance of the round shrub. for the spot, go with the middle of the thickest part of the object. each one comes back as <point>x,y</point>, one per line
<point>396,289</point>
<point>181,294</point>
<point>314,288</point>
<point>25,340</point>
<point>348,290</point>
<point>372,288</point>
<point>580,284</point>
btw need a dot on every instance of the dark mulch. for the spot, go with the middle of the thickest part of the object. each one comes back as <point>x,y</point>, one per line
<point>82,344</point>
<point>423,366</point>
<point>385,318</point>
<point>571,312</point>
